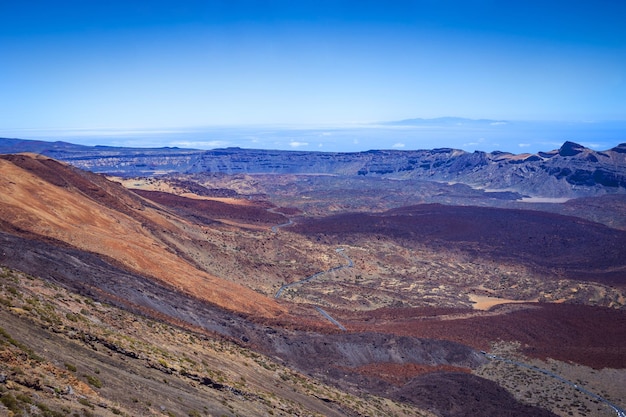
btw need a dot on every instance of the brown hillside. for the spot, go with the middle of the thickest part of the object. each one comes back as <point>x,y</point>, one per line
<point>46,198</point>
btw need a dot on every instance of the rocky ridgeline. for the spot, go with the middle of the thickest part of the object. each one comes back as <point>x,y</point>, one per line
<point>570,171</point>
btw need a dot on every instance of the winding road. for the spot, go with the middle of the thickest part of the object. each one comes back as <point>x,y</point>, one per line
<point>307,279</point>
<point>318,274</point>
<point>330,319</point>
<point>620,412</point>
<point>275,228</point>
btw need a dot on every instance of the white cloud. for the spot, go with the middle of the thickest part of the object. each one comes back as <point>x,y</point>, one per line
<point>523,145</point>
<point>398,145</point>
<point>478,142</point>
<point>498,123</point>
<point>591,145</point>
<point>201,144</point>
<point>355,141</point>
<point>295,144</point>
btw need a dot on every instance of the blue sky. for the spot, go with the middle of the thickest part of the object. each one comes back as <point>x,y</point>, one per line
<point>164,72</point>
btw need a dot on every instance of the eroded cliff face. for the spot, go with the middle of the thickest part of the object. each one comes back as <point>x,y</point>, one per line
<point>571,171</point>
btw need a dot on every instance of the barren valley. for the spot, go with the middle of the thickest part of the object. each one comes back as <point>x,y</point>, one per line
<point>287,294</point>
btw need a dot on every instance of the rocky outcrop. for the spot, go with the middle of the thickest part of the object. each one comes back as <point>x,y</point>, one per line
<point>571,149</point>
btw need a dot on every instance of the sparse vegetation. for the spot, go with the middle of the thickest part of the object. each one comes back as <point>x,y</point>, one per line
<point>95,381</point>
<point>86,403</point>
<point>535,388</point>
<point>11,403</point>
<point>173,351</point>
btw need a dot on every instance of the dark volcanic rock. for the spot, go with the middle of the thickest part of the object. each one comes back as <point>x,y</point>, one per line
<point>621,148</point>
<point>206,211</point>
<point>571,149</point>
<point>350,350</point>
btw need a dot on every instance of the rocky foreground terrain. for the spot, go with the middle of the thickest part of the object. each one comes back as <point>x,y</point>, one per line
<point>166,295</point>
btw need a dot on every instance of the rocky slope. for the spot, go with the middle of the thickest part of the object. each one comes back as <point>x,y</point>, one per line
<point>570,171</point>
<point>65,354</point>
<point>45,199</point>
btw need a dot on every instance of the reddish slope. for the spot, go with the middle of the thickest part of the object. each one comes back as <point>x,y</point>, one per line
<point>45,198</point>
<point>592,336</point>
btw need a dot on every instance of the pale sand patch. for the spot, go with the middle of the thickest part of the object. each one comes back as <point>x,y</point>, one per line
<point>227,200</point>
<point>483,302</point>
<point>143,184</point>
<point>152,185</point>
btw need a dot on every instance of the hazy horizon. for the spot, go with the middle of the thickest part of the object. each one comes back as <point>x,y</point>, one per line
<point>466,134</point>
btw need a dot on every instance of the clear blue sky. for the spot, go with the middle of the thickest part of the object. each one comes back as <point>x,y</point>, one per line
<point>178,64</point>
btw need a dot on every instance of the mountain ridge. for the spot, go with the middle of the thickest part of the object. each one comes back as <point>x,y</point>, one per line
<point>446,121</point>
<point>571,171</point>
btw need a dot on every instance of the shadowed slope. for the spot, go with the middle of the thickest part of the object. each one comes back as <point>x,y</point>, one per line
<point>49,199</point>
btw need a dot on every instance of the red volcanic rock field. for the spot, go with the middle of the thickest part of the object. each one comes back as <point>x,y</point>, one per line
<point>556,245</point>
<point>400,373</point>
<point>592,336</point>
<point>570,246</point>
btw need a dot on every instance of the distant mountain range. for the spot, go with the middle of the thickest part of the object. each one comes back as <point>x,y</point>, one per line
<point>570,171</point>
<point>447,121</point>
